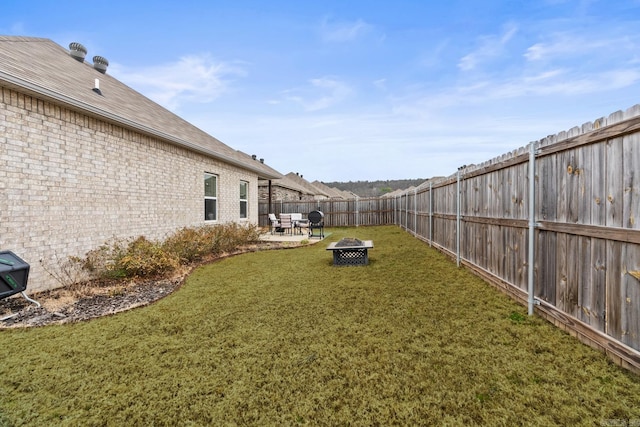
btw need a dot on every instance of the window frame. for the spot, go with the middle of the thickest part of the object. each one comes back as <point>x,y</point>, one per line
<point>208,197</point>
<point>244,201</point>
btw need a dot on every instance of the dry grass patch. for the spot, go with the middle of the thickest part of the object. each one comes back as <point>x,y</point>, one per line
<point>285,338</point>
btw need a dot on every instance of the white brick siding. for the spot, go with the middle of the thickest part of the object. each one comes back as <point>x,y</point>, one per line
<point>70,182</point>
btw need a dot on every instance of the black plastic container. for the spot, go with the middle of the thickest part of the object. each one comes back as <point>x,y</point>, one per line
<point>14,272</point>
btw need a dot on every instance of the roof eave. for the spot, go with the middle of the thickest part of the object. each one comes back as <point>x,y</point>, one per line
<point>33,88</point>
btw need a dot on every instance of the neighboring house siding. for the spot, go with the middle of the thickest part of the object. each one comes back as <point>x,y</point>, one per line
<point>70,182</point>
<point>280,193</point>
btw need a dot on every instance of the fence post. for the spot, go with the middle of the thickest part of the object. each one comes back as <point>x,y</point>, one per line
<point>357,213</point>
<point>458,217</point>
<point>430,212</point>
<point>532,226</point>
<point>395,210</point>
<point>415,211</point>
<point>406,211</point>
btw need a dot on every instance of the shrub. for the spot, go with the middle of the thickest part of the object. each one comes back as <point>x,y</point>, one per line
<point>102,262</point>
<point>146,258</point>
<point>118,258</point>
<point>188,244</point>
<point>229,237</point>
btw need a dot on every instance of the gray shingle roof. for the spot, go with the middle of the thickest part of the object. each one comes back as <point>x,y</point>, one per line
<point>288,183</point>
<point>298,179</point>
<point>333,193</point>
<point>45,69</point>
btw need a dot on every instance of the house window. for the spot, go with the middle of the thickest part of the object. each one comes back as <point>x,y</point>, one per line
<point>210,197</point>
<point>244,205</point>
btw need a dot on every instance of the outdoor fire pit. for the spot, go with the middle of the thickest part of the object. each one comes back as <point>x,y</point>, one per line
<point>350,251</point>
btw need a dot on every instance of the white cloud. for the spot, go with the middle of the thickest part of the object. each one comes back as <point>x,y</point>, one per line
<point>566,45</point>
<point>340,32</point>
<point>560,45</point>
<point>490,47</point>
<point>322,93</point>
<point>193,78</point>
<point>380,84</point>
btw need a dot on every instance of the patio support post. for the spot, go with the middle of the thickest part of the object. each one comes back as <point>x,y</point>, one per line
<point>270,209</point>
<point>532,227</point>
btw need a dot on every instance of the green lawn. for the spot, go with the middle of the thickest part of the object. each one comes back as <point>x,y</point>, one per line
<point>282,337</point>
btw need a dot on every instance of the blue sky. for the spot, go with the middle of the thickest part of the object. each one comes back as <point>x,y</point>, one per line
<point>362,90</point>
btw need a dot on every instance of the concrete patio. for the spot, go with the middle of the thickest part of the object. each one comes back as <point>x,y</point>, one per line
<point>289,237</point>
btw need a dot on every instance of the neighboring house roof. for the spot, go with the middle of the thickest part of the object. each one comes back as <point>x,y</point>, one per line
<point>288,183</point>
<point>426,183</point>
<point>44,69</point>
<point>298,179</point>
<point>394,193</point>
<point>333,193</point>
<point>348,194</point>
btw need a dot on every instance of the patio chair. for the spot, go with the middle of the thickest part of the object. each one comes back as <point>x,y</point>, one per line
<point>275,224</point>
<point>285,223</point>
<point>298,223</point>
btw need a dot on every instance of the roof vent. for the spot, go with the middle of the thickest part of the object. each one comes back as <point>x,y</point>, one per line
<point>77,51</point>
<point>100,64</point>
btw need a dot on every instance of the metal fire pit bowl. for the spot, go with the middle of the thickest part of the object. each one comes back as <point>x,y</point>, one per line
<point>351,251</point>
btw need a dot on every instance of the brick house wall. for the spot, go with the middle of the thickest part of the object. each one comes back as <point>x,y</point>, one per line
<point>70,182</point>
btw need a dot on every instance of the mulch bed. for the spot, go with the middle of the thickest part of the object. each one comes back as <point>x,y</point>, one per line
<point>110,301</point>
<point>99,299</point>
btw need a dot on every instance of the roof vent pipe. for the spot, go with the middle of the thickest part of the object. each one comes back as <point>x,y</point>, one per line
<point>261,160</point>
<point>77,51</point>
<point>100,64</point>
<point>253,156</point>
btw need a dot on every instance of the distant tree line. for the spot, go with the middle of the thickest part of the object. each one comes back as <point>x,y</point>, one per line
<point>375,188</point>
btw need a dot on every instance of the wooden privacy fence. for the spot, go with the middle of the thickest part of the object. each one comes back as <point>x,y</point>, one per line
<point>337,213</point>
<point>568,205</point>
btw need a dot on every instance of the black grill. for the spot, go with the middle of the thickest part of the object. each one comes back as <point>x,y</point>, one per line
<point>316,222</point>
